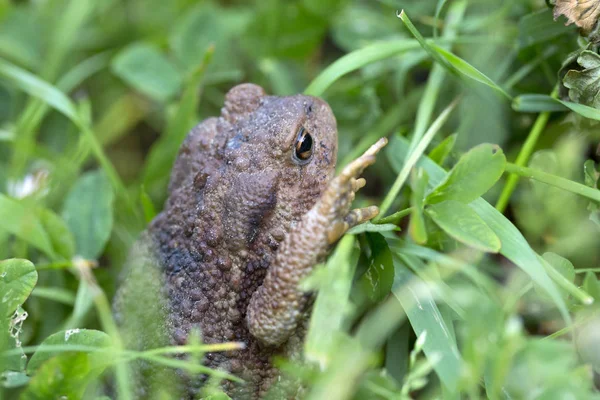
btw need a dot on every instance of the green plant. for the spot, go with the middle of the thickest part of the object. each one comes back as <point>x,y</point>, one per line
<point>443,295</point>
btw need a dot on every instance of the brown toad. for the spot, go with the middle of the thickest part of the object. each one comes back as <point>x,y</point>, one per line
<point>253,206</point>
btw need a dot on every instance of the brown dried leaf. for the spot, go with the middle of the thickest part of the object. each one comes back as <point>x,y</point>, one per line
<point>584,13</point>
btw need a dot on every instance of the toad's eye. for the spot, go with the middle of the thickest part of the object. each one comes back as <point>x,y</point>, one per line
<point>303,148</point>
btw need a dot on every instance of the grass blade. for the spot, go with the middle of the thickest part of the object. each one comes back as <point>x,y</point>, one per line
<point>450,61</point>
<point>414,156</point>
<point>424,316</point>
<point>356,60</point>
<point>331,304</point>
<point>542,102</point>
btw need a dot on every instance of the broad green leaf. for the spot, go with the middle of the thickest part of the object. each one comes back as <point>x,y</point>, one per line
<point>331,304</point>
<point>22,221</point>
<point>61,238</point>
<point>591,285</point>
<point>13,379</point>
<point>377,280</point>
<point>584,85</point>
<point>291,31</point>
<point>563,267</point>
<point>208,26</point>
<point>440,153</point>
<point>416,228</point>
<point>463,224</point>
<point>65,376</point>
<point>419,304</point>
<point>148,70</point>
<point>590,174</point>
<point>514,246</point>
<point>191,38</point>
<point>539,27</point>
<point>17,280</point>
<point>543,103</point>
<point>561,264</point>
<point>73,340</point>
<point>88,211</point>
<point>474,174</point>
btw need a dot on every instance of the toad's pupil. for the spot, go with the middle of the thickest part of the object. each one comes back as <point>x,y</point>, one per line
<point>304,145</point>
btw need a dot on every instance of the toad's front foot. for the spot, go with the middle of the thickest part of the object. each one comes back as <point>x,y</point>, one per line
<point>336,200</point>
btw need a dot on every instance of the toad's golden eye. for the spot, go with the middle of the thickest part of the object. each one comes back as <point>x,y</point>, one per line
<point>303,148</point>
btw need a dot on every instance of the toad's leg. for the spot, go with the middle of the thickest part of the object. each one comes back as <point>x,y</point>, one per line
<point>276,307</point>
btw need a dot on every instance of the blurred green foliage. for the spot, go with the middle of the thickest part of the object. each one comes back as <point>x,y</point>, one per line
<point>96,97</point>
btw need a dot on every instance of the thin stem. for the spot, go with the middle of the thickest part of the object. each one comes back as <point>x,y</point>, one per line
<point>553,180</point>
<point>395,217</point>
<point>523,158</point>
<point>584,270</point>
<point>204,348</point>
<point>437,75</point>
<point>414,157</point>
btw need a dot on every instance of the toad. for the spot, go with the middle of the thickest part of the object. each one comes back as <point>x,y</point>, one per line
<point>253,206</point>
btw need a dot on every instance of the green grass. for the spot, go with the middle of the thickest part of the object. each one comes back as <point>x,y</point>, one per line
<point>477,280</point>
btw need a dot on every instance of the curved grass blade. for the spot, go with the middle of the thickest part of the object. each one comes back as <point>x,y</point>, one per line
<point>358,59</point>
<point>437,75</point>
<point>450,61</point>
